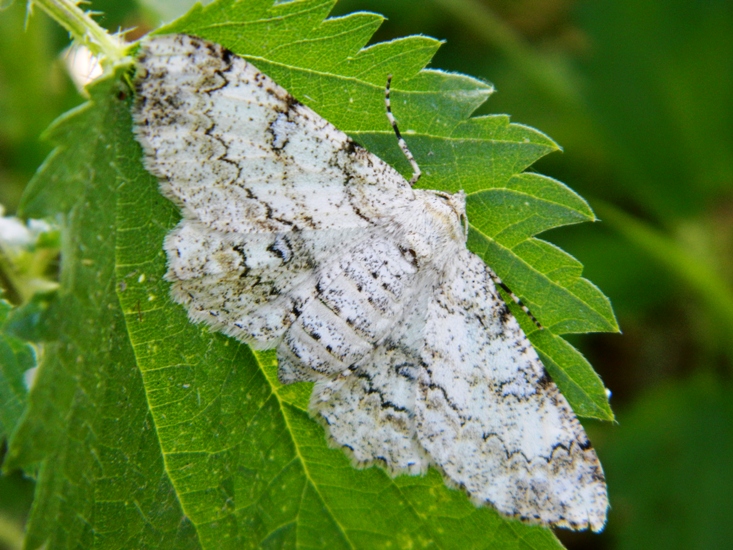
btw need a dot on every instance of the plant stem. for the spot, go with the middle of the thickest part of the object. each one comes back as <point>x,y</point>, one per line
<point>84,29</point>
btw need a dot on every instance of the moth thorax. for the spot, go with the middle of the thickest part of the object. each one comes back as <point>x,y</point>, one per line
<point>438,224</point>
<point>445,213</point>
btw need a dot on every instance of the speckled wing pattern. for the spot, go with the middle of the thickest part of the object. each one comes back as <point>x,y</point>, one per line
<point>294,237</point>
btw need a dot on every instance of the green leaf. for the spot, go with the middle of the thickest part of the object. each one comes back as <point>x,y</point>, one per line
<point>16,357</point>
<point>88,429</point>
<point>548,281</point>
<point>166,10</point>
<point>30,321</point>
<point>148,430</point>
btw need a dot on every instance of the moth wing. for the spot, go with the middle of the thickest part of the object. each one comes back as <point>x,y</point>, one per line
<point>328,297</point>
<point>361,301</point>
<point>271,193</point>
<point>239,154</point>
<point>489,415</point>
<point>249,285</point>
<point>369,410</point>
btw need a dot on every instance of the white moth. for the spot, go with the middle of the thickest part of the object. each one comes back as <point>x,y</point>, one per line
<point>294,237</point>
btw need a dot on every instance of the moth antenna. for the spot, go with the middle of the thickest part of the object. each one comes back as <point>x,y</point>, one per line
<point>498,282</point>
<point>405,150</point>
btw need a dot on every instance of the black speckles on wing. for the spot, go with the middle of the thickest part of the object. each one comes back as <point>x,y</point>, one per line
<point>370,409</point>
<point>490,416</point>
<point>240,154</point>
<point>351,311</point>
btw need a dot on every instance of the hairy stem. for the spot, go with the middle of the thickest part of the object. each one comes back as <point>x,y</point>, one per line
<point>84,29</point>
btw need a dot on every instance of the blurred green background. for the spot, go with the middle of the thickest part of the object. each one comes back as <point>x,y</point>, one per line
<point>640,96</point>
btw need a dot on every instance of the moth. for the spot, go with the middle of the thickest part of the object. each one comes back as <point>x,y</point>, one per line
<point>294,237</point>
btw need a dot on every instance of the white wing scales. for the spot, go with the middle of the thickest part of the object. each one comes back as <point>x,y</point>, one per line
<point>294,237</point>
<point>239,154</point>
<point>490,416</point>
<point>359,301</point>
<point>370,410</point>
<point>249,285</point>
<point>370,407</point>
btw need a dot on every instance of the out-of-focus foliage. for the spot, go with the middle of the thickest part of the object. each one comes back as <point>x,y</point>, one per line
<point>640,95</point>
<point>35,88</point>
<point>33,91</point>
<point>17,357</point>
<point>669,466</point>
